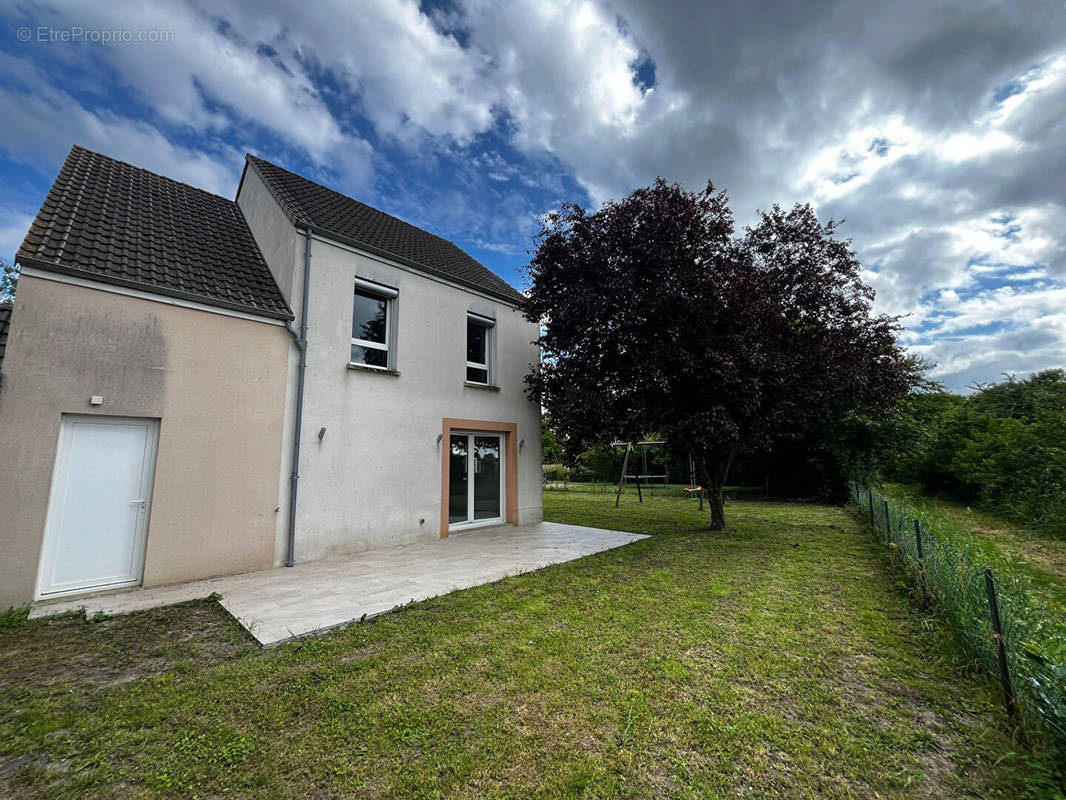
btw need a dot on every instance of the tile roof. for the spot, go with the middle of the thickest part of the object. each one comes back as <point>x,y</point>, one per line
<point>334,214</point>
<point>112,222</point>
<point>5,323</point>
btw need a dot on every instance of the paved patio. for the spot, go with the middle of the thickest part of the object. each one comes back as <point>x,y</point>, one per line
<point>285,603</point>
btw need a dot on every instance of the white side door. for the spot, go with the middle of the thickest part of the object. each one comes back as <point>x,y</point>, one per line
<point>98,511</point>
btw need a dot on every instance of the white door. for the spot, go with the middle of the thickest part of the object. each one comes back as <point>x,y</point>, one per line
<point>98,511</point>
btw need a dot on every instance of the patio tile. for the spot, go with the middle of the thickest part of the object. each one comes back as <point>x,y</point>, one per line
<point>284,603</point>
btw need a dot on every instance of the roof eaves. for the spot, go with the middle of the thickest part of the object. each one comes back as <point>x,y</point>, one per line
<point>150,288</point>
<point>408,262</point>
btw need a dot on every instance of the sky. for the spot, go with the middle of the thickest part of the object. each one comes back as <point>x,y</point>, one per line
<point>936,130</point>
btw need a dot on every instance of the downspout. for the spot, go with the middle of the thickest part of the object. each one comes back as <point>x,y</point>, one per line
<point>301,345</point>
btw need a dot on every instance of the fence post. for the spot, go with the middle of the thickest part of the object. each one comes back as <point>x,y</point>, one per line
<point>870,493</point>
<point>1001,645</point>
<point>888,528</point>
<point>921,557</point>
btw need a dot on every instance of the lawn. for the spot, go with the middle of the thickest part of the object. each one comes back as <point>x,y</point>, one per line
<point>782,658</point>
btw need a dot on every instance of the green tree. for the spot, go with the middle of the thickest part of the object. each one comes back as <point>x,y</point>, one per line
<point>1040,397</point>
<point>602,461</point>
<point>659,319</point>
<point>9,278</point>
<point>551,450</point>
<point>1003,448</point>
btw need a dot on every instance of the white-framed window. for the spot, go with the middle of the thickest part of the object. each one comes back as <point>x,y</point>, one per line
<point>479,332</point>
<point>372,325</point>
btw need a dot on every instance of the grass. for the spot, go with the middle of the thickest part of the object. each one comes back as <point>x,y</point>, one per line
<point>1031,603</point>
<point>1042,553</point>
<point>779,659</point>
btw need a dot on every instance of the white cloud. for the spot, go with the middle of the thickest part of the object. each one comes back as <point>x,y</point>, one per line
<point>888,117</point>
<point>13,227</point>
<point>49,120</point>
<point>208,78</point>
<point>410,78</point>
<point>1007,305</point>
<point>561,69</point>
<point>984,357</point>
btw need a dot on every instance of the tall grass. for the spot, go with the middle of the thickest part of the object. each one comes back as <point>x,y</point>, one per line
<point>950,575</point>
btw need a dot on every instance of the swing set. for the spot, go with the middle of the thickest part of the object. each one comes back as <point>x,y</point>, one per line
<point>639,478</point>
<point>692,490</point>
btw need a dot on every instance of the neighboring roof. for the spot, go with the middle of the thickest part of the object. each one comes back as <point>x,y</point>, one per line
<point>5,323</point>
<point>336,215</point>
<point>112,222</point>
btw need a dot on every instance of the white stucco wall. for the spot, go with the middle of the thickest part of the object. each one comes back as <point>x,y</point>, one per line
<point>282,248</point>
<point>375,476</point>
<point>274,233</point>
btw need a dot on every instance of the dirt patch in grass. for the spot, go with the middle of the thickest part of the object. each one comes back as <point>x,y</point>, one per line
<point>72,652</point>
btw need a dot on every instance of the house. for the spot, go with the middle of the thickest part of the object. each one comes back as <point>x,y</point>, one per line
<point>166,347</point>
<point>143,389</point>
<point>415,420</point>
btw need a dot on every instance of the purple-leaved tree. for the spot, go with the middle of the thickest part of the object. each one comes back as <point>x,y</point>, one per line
<point>658,319</point>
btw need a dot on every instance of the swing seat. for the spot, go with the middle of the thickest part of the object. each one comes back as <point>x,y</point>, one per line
<point>694,491</point>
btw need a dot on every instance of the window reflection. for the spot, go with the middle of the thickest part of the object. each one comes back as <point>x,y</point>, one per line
<point>486,477</point>
<point>457,480</point>
<point>369,317</point>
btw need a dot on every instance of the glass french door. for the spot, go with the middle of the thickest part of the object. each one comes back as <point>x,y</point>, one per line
<point>475,478</point>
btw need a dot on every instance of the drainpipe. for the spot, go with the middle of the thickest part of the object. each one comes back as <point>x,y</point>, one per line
<point>301,345</point>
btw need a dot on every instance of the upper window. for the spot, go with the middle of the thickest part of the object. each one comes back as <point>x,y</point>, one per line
<point>372,325</point>
<point>478,348</point>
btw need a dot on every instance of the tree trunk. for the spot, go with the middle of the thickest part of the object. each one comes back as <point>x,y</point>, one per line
<point>716,501</point>
<point>715,475</point>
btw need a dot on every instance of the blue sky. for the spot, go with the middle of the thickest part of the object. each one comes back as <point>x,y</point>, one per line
<point>935,129</point>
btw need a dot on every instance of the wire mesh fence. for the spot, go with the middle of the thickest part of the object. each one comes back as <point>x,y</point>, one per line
<point>977,593</point>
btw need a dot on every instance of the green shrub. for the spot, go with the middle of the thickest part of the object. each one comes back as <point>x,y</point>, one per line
<point>555,472</point>
<point>1003,448</point>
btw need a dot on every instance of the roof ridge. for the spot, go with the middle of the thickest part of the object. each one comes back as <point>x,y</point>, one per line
<point>154,175</point>
<point>287,204</point>
<point>350,199</point>
<point>308,203</point>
